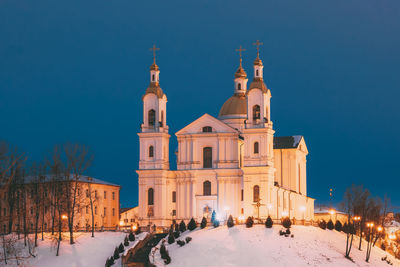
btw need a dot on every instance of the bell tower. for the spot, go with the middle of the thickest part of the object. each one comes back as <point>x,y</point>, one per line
<point>154,137</point>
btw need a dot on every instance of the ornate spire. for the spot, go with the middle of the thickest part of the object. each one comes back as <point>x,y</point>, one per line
<point>154,65</point>
<point>240,73</point>
<point>258,61</point>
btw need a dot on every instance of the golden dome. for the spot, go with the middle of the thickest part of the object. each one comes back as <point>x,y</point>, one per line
<point>154,66</point>
<point>235,105</point>
<point>154,88</point>
<point>258,62</point>
<point>258,82</point>
<point>240,73</point>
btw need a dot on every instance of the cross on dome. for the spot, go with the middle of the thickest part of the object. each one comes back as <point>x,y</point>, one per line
<point>257,44</point>
<point>154,49</point>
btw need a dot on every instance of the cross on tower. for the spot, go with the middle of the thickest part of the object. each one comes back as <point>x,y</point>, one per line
<point>240,49</point>
<point>154,49</point>
<point>257,44</point>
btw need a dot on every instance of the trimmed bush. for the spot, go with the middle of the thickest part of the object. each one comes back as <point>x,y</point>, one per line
<point>269,222</point>
<point>131,237</point>
<point>286,222</point>
<point>216,223</point>
<point>203,223</point>
<point>249,222</point>
<point>188,239</point>
<point>163,250</point>
<point>126,241</point>
<point>177,234</point>
<point>192,224</point>
<point>330,225</point>
<point>322,224</point>
<point>338,226</point>
<point>116,253</point>
<point>180,243</point>
<point>107,263</point>
<point>138,230</point>
<point>121,248</point>
<point>176,227</point>
<point>171,238</point>
<point>167,259</point>
<point>182,226</point>
<point>230,222</point>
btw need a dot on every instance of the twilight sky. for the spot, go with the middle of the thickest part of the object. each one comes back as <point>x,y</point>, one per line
<point>75,71</point>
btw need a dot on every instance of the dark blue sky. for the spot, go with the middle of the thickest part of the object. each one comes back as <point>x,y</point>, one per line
<point>75,71</point>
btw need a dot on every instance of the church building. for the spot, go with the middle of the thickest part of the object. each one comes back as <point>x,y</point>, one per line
<point>232,164</point>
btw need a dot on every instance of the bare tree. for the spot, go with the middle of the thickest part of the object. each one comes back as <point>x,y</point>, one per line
<point>93,198</point>
<point>347,204</point>
<point>78,160</point>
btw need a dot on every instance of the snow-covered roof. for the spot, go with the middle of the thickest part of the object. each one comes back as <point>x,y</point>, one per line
<point>82,178</point>
<point>284,142</point>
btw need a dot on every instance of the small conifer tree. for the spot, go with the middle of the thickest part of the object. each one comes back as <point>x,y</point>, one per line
<point>216,223</point>
<point>121,248</point>
<point>203,223</point>
<point>338,226</point>
<point>182,226</point>
<point>322,224</point>
<point>131,236</point>
<point>116,253</point>
<point>230,222</point>
<point>192,224</point>
<point>330,225</point>
<point>126,241</point>
<point>177,234</point>
<point>107,263</point>
<point>213,216</point>
<point>176,227</point>
<point>249,222</point>
<point>286,222</point>
<point>269,222</point>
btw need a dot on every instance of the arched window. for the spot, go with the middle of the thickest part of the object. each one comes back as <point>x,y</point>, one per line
<point>256,148</point>
<point>207,188</point>
<point>153,78</point>
<point>162,118</point>
<point>152,117</point>
<point>151,151</point>
<point>257,73</point>
<point>207,129</point>
<point>239,86</point>
<point>207,157</point>
<point>256,193</point>
<point>266,114</point>
<point>150,196</point>
<point>256,112</point>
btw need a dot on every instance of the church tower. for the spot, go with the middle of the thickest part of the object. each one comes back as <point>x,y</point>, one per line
<point>154,137</point>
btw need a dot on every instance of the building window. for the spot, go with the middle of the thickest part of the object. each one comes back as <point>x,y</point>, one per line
<point>95,194</point>
<point>95,210</point>
<point>173,196</point>
<point>153,78</point>
<point>173,212</point>
<point>256,112</point>
<point>242,194</point>
<point>207,157</point>
<point>113,212</point>
<point>31,211</point>
<point>105,194</point>
<point>150,196</point>
<point>257,73</point>
<point>87,209</point>
<point>87,193</point>
<point>152,117</point>
<point>5,211</point>
<point>256,193</point>
<point>105,211</point>
<point>239,86</point>
<point>207,188</point>
<point>113,195</point>
<point>151,151</point>
<point>162,119</point>
<point>256,148</point>
<point>207,129</point>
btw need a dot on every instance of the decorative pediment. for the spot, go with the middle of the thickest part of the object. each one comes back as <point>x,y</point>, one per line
<point>202,124</point>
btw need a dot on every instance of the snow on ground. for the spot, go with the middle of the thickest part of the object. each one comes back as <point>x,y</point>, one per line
<point>86,252</point>
<point>259,246</point>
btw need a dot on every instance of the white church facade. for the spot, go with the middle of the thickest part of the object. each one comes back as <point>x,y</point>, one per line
<point>232,164</point>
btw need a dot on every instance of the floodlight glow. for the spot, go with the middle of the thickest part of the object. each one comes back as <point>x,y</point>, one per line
<point>121,223</point>
<point>64,217</point>
<point>134,227</point>
<point>392,237</point>
<point>241,218</point>
<point>302,208</point>
<point>285,213</point>
<point>332,211</point>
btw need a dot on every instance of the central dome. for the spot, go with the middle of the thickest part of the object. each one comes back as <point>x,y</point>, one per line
<point>235,106</point>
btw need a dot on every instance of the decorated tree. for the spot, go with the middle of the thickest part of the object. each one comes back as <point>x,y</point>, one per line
<point>269,222</point>
<point>230,222</point>
<point>216,223</point>
<point>213,216</point>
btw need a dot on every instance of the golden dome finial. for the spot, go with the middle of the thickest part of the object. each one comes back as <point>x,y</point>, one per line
<point>257,44</point>
<point>154,49</point>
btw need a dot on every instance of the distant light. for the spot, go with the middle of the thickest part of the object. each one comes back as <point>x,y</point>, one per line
<point>392,236</point>
<point>64,217</point>
<point>121,223</point>
<point>134,227</point>
<point>285,213</point>
<point>332,211</point>
<point>302,208</point>
<point>380,229</point>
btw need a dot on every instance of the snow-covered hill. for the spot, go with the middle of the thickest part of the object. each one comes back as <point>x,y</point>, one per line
<point>258,246</point>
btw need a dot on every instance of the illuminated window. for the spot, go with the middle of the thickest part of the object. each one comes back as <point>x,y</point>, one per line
<point>174,196</point>
<point>256,148</point>
<point>207,129</point>
<point>207,157</point>
<point>207,188</point>
<point>256,193</point>
<point>150,195</point>
<point>151,151</point>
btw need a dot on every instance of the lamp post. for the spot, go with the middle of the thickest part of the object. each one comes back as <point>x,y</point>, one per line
<point>370,236</point>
